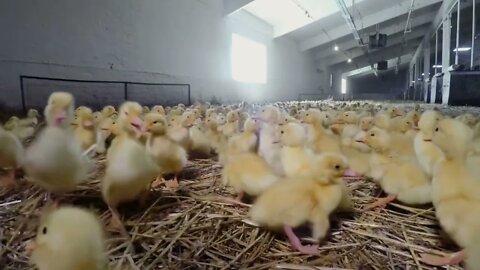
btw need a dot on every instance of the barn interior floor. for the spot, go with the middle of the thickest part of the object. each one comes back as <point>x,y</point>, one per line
<point>194,228</point>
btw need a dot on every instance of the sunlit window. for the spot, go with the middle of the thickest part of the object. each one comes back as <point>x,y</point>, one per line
<point>344,86</point>
<point>249,60</point>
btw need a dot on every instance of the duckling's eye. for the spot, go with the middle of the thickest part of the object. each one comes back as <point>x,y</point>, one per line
<point>282,132</point>
<point>306,114</point>
<point>263,110</point>
<point>44,230</point>
<point>113,123</point>
<point>372,134</point>
<point>408,123</point>
<point>436,130</point>
<point>156,122</point>
<point>126,113</point>
<point>326,116</point>
<point>337,167</point>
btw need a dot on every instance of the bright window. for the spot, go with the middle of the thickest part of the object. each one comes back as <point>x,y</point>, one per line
<point>249,60</point>
<point>344,86</point>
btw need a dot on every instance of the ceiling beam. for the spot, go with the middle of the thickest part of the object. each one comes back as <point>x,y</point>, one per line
<point>398,8</point>
<point>422,21</point>
<point>377,56</point>
<point>392,64</point>
<point>230,6</point>
<point>393,41</point>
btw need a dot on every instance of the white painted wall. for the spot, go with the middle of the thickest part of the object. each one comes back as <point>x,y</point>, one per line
<point>167,41</point>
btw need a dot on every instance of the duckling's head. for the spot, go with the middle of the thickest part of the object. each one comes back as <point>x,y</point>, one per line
<point>350,117</point>
<point>108,111</point>
<point>405,125</point>
<point>98,117</point>
<point>329,167</point>
<point>414,116</point>
<point>32,113</point>
<point>366,123</point>
<point>145,109</point>
<point>68,237</point>
<point>129,119</point>
<point>86,118</point>
<point>156,123</point>
<point>453,138</point>
<point>427,123</point>
<point>292,134</point>
<point>301,115</point>
<point>312,116</point>
<point>269,114</point>
<point>158,109</point>
<point>394,112</point>
<point>221,120</point>
<point>211,123</point>
<point>376,138</point>
<point>188,119</point>
<point>59,109</point>
<point>233,116</point>
<point>12,123</point>
<point>250,125</point>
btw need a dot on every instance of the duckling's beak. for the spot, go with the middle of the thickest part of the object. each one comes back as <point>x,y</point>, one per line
<point>138,126</point>
<point>30,246</point>
<point>360,140</point>
<point>88,123</point>
<point>59,116</point>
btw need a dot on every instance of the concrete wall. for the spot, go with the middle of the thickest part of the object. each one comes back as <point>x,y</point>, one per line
<point>168,41</point>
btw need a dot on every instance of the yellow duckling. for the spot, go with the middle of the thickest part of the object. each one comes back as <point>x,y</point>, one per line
<point>130,169</point>
<point>69,238</point>
<point>168,154</point>
<point>158,109</point>
<point>85,130</point>
<point>55,161</point>
<point>12,153</point>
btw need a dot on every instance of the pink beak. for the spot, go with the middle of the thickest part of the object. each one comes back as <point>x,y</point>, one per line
<point>59,117</point>
<point>139,126</point>
<point>88,123</point>
<point>30,246</point>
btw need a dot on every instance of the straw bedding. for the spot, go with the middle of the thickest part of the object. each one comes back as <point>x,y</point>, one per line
<point>194,229</point>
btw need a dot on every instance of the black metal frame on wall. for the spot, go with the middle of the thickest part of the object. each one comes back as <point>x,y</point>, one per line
<point>128,89</point>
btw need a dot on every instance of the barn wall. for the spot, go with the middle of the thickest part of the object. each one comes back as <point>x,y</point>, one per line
<point>168,41</point>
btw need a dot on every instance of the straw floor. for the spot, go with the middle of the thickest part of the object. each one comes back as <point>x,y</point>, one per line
<point>193,229</point>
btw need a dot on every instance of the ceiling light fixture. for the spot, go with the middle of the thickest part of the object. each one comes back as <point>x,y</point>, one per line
<point>349,60</point>
<point>335,48</point>
<point>463,49</point>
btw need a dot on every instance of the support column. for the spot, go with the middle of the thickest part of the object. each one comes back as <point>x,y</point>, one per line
<point>446,59</point>
<point>426,70</point>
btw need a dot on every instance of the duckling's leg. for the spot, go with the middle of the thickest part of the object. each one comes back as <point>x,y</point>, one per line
<point>8,180</point>
<point>157,182</point>
<point>382,202</point>
<point>449,259</point>
<point>296,244</point>
<point>237,200</point>
<point>116,222</point>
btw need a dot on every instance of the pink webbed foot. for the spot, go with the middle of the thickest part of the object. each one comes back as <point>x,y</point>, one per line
<point>297,245</point>
<point>449,259</point>
<point>381,202</point>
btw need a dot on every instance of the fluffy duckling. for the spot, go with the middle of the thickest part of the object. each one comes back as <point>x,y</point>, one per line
<point>318,138</point>
<point>218,141</point>
<point>428,154</point>
<point>31,120</point>
<point>401,179</point>
<point>383,119</point>
<point>200,142</point>
<point>130,169</point>
<point>12,153</point>
<point>292,202</point>
<point>158,109</point>
<point>244,142</point>
<point>231,127</point>
<point>468,119</point>
<point>85,130</point>
<point>104,131</point>
<point>168,154</point>
<point>108,111</point>
<point>456,194</point>
<point>55,161</point>
<point>248,173</point>
<point>145,109</point>
<point>21,132</point>
<point>295,157</point>
<point>180,131</point>
<point>366,123</point>
<point>69,238</point>
<point>268,147</point>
